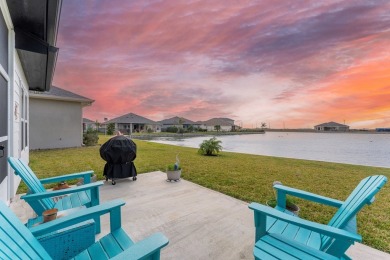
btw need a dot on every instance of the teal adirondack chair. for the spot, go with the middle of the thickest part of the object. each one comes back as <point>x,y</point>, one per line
<point>277,230</point>
<point>40,199</point>
<point>18,242</point>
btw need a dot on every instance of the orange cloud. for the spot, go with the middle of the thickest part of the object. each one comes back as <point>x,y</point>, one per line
<point>298,63</point>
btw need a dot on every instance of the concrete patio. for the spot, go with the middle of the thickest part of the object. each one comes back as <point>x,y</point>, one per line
<point>200,223</point>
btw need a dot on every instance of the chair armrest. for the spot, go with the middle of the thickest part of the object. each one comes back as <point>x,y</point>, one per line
<point>281,189</point>
<point>54,193</point>
<point>144,248</point>
<point>86,175</point>
<point>112,207</point>
<point>320,228</point>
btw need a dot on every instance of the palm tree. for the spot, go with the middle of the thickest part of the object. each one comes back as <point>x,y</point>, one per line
<point>210,147</point>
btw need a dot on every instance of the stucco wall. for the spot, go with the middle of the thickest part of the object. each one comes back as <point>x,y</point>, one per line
<point>55,124</point>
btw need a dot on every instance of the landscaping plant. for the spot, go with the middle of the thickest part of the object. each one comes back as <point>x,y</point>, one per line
<point>91,137</point>
<point>210,147</point>
<point>110,128</point>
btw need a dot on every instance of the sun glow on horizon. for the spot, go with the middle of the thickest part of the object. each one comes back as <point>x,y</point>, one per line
<point>286,63</point>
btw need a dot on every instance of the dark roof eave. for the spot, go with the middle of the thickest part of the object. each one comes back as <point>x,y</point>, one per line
<point>36,27</point>
<point>38,60</point>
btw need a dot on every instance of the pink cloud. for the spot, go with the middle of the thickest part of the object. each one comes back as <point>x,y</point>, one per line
<point>247,60</point>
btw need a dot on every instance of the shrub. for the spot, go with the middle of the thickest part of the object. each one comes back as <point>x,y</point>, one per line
<point>210,147</point>
<point>91,137</point>
<point>172,129</point>
<point>150,130</point>
<point>110,128</point>
<point>181,130</point>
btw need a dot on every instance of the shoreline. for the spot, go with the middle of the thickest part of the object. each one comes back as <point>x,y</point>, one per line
<point>150,136</point>
<point>188,135</point>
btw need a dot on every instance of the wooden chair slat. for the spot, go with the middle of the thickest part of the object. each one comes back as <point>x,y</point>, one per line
<point>17,241</point>
<point>334,238</point>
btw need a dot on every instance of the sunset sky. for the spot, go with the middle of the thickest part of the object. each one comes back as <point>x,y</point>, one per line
<point>291,64</point>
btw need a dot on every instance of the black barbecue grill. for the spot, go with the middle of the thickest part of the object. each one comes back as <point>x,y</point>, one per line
<point>119,152</point>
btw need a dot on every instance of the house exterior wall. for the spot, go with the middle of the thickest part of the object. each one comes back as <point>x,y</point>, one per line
<point>124,128</point>
<point>226,128</point>
<point>55,124</point>
<point>4,104</point>
<point>16,106</point>
<point>155,128</point>
<point>184,126</point>
<point>223,128</point>
<point>20,114</point>
<point>332,128</point>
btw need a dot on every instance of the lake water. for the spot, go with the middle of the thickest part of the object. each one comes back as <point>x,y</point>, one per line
<point>359,149</point>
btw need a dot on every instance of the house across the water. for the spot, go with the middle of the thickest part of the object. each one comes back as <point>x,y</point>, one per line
<point>132,123</point>
<point>332,127</point>
<point>178,122</point>
<point>219,124</point>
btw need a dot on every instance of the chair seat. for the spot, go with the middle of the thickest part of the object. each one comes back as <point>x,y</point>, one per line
<point>273,246</point>
<point>108,246</point>
<point>334,238</point>
<point>298,234</point>
<point>74,200</point>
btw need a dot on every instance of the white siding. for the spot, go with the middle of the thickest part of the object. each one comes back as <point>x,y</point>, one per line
<point>20,99</point>
<point>16,81</point>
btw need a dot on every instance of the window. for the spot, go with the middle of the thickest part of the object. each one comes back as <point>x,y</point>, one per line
<point>23,119</point>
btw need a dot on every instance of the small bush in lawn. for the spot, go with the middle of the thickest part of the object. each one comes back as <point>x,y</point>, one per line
<point>210,147</point>
<point>91,137</point>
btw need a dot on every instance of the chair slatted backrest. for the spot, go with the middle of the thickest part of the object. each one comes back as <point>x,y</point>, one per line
<point>363,194</point>
<point>16,241</point>
<point>31,180</point>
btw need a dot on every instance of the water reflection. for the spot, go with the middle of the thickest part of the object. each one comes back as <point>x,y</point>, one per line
<point>360,149</point>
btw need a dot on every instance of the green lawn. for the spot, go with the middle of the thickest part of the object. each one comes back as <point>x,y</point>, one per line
<point>246,177</point>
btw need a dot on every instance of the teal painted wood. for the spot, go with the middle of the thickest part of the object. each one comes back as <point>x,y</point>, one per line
<point>33,183</point>
<point>274,246</point>
<point>18,241</point>
<point>69,242</point>
<point>327,238</point>
<point>85,175</point>
<point>363,194</point>
<point>40,199</point>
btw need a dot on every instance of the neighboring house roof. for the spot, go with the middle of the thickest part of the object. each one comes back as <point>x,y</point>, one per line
<point>225,118</point>
<point>330,124</point>
<point>57,93</point>
<point>131,118</point>
<point>177,121</point>
<point>88,121</point>
<point>218,121</point>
